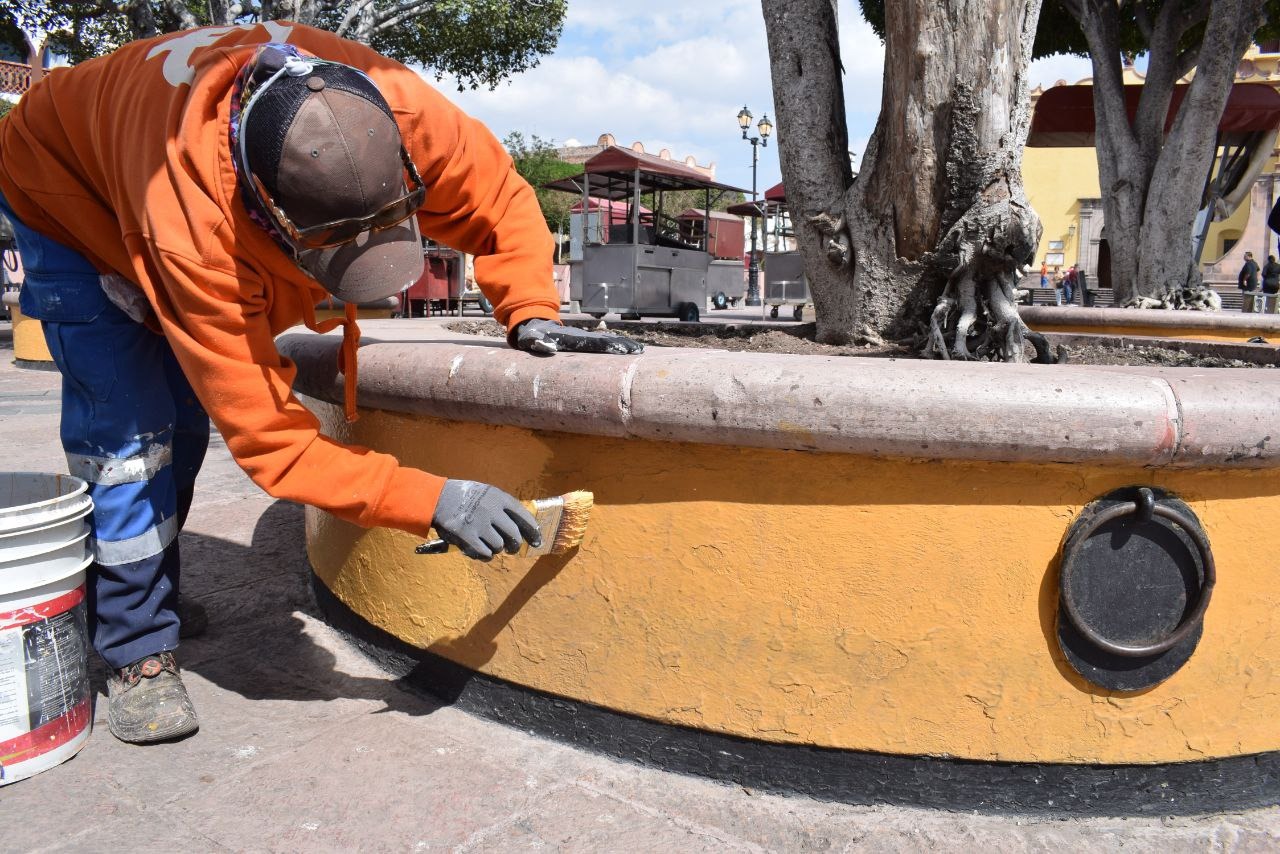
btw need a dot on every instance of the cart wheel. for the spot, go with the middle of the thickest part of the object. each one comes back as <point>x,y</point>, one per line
<point>798,312</point>
<point>773,312</point>
<point>720,301</point>
<point>485,305</point>
<point>688,312</point>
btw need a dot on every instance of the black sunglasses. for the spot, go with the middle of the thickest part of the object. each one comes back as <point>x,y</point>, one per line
<point>340,231</point>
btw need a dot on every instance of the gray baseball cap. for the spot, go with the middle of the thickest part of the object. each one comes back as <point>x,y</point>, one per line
<point>325,160</point>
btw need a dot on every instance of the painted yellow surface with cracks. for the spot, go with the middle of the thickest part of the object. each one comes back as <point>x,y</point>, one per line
<point>821,599</point>
<point>28,338</point>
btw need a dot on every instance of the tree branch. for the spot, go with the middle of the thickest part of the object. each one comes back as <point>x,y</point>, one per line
<point>1143,17</point>
<point>186,20</point>
<point>1075,8</point>
<point>393,15</point>
<point>1163,71</point>
<point>353,12</point>
<point>1192,15</point>
<point>1186,61</point>
<point>382,25</point>
<point>1099,20</point>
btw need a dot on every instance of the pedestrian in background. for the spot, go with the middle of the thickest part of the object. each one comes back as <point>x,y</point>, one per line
<point>1248,280</point>
<point>1088,288</point>
<point>1062,287</point>
<point>1271,276</point>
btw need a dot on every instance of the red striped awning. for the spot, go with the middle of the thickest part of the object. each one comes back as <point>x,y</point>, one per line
<point>1064,114</point>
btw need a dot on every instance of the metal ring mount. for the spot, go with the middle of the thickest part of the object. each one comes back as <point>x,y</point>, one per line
<point>1145,507</point>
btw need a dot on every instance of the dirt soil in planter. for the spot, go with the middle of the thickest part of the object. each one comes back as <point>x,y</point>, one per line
<point>798,339</point>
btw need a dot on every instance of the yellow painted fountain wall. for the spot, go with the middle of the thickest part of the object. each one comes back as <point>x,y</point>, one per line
<point>822,599</point>
<point>1233,334</point>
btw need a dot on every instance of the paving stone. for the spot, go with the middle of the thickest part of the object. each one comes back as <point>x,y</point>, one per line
<point>385,784</point>
<point>573,819</point>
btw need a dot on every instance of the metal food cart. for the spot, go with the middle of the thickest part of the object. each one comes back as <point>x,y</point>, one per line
<point>783,265</point>
<point>648,264</point>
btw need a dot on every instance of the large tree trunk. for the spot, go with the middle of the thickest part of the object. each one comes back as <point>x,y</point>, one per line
<point>937,222</point>
<point>1152,183</point>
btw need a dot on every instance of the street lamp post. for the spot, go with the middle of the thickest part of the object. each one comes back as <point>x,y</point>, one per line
<point>765,127</point>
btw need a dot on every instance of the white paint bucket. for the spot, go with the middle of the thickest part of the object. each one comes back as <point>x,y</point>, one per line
<point>45,710</point>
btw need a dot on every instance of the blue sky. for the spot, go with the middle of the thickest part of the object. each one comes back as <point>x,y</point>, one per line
<point>673,74</point>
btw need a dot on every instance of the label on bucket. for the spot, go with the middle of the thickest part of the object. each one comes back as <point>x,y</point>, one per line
<point>44,680</point>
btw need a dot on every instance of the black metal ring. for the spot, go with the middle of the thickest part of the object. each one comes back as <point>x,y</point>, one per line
<point>1188,623</point>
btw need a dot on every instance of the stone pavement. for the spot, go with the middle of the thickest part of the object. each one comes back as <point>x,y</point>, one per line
<point>306,746</point>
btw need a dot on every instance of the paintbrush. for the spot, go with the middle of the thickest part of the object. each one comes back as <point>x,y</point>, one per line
<point>561,520</point>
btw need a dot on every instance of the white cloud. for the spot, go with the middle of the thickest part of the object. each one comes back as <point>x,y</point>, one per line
<point>681,92</point>
<point>1048,71</point>
<point>674,73</point>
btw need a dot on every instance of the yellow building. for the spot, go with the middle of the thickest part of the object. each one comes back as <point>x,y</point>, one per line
<point>1062,186</point>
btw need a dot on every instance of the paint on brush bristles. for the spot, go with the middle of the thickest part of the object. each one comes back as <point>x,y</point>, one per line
<point>562,521</point>
<point>573,521</point>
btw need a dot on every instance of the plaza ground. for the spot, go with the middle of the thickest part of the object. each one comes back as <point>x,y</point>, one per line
<point>307,746</point>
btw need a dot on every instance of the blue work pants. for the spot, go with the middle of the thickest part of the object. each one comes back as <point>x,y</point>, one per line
<point>133,428</point>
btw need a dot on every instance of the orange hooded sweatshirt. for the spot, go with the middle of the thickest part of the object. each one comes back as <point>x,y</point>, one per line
<point>126,160</point>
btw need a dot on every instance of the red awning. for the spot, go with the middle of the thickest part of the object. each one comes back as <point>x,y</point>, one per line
<point>774,197</point>
<point>618,164</point>
<point>699,214</point>
<point>1064,114</point>
<point>615,158</point>
<point>747,209</point>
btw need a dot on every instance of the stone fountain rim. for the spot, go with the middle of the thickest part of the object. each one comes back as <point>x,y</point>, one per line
<point>1114,415</point>
<point>1155,318</point>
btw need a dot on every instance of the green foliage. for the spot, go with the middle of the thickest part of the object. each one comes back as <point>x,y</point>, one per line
<point>78,29</point>
<point>12,41</point>
<point>5,107</point>
<point>537,162</point>
<point>480,42</point>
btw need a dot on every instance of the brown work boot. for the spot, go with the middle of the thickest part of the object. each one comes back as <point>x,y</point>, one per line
<point>148,702</point>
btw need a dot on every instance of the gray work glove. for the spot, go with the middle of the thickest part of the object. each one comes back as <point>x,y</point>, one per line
<point>545,337</point>
<point>482,520</point>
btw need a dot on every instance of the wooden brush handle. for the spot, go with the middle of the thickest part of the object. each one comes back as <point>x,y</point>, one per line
<point>432,547</point>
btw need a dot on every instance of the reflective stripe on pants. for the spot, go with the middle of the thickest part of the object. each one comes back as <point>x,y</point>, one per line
<point>130,421</point>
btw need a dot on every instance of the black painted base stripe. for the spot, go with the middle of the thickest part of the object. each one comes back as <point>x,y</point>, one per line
<point>34,365</point>
<point>848,776</point>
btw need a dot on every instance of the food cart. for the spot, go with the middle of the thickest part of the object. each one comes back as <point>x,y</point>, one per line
<point>446,284</point>
<point>648,264</point>
<point>783,265</point>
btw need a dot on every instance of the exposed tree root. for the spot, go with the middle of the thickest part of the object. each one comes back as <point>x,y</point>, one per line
<point>976,317</point>
<point>1196,298</point>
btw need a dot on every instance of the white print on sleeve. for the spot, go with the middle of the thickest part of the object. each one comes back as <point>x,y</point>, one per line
<point>177,65</point>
